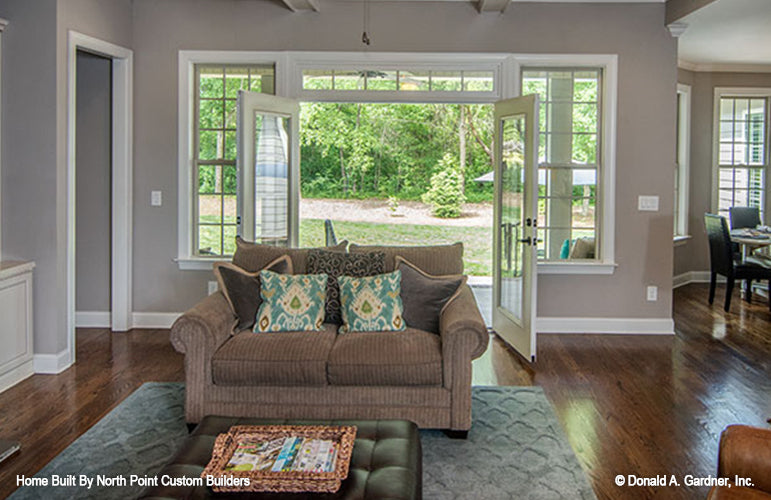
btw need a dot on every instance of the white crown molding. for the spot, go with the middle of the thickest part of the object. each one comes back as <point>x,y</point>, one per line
<point>723,67</point>
<point>677,29</point>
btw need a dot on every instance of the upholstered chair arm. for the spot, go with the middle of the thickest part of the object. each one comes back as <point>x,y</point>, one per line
<point>461,317</point>
<point>746,452</point>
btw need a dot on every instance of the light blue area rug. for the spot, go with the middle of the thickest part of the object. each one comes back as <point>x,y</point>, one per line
<point>515,449</point>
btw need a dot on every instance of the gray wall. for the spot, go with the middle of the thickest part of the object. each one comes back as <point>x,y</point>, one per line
<point>646,119</point>
<point>694,254</point>
<point>34,141</point>
<point>93,151</point>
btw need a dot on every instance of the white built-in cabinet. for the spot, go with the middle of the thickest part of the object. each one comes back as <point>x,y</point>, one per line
<point>15,307</point>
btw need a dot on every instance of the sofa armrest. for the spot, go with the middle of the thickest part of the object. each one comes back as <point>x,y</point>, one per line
<point>746,452</point>
<point>462,317</point>
<point>206,326</point>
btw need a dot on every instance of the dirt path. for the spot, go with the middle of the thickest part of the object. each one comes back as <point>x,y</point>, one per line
<point>408,212</point>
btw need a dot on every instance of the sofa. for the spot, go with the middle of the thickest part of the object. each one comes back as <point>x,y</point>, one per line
<point>413,374</point>
<point>744,455</point>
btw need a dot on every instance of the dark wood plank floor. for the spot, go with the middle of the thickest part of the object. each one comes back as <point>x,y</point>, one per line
<point>643,405</point>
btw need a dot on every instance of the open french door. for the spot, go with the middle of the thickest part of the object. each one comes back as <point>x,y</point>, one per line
<point>515,223</point>
<point>268,142</point>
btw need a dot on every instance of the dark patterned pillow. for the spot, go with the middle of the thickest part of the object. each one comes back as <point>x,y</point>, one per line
<point>336,264</point>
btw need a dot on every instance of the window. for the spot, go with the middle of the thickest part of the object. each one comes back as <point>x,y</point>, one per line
<point>381,79</point>
<point>214,176</point>
<point>742,156</point>
<point>569,159</point>
<point>683,141</point>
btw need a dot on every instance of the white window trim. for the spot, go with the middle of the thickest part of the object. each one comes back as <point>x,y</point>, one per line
<point>607,181</point>
<point>507,72</point>
<point>733,92</point>
<point>186,258</point>
<point>683,160</point>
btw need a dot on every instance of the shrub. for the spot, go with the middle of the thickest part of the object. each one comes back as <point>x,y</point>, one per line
<point>446,192</point>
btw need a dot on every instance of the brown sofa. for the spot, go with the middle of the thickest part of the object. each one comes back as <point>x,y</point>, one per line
<point>412,375</point>
<point>745,452</point>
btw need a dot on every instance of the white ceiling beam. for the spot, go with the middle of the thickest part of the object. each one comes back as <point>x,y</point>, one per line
<point>302,5</point>
<point>497,6</point>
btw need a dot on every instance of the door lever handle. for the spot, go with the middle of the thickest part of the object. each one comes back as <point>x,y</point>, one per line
<point>525,240</point>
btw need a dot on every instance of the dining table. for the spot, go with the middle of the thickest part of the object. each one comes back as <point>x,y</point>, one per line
<point>751,239</point>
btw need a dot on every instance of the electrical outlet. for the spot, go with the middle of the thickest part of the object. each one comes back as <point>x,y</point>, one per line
<point>212,287</point>
<point>652,293</point>
<point>156,198</point>
<point>648,203</point>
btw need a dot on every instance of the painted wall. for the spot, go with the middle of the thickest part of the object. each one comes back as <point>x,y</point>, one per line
<point>93,151</point>
<point>34,141</point>
<point>694,254</point>
<point>646,119</point>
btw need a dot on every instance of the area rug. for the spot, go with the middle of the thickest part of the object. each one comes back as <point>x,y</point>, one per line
<point>515,449</point>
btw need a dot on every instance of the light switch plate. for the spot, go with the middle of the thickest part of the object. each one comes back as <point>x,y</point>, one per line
<point>648,203</point>
<point>156,198</point>
<point>212,287</point>
<point>652,293</point>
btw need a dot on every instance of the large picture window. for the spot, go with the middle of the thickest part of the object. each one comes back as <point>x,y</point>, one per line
<point>215,204</point>
<point>742,152</point>
<point>569,159</point>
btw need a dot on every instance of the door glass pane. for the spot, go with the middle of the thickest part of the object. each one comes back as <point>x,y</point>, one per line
<point>511,230</point>
<point>271,166</point>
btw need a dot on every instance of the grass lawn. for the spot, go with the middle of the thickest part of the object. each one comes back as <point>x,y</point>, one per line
<point>477,241</point>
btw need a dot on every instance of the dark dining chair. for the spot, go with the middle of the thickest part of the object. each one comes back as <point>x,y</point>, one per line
<point>724,262</point>
<point>744,217</point>
<point>330,239</point>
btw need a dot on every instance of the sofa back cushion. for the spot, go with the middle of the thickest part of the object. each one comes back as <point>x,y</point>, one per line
<point>437,260</point>
<point>254,256</point>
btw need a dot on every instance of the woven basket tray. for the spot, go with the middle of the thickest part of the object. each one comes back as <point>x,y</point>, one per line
<point>288,481</point>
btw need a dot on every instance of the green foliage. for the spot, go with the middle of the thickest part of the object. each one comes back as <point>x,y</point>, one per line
<point>446,193</point>
<point>357,150</point>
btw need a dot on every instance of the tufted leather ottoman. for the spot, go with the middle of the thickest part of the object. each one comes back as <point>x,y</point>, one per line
<point>386,462</point>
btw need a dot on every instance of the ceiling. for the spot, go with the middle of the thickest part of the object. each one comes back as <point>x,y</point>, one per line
<point>727,35</point>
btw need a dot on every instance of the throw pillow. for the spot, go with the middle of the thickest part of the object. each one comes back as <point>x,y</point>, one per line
<point>371,304</point>
<point>583,248</point>
<point>254,256</point>
<point>437,259</point>
<point>424,296</point>
<point>334,265</point>
<point>242,288</point>
<point>291,303</point>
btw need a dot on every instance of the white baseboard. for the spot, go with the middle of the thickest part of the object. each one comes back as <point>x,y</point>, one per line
<point>153,319</point>
<point>92,319</point>
<point>694,277</point>
<point>622,326</point>
<point>52,363</point>
<point>16,375</point>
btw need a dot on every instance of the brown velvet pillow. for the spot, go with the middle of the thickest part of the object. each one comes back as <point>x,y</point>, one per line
<point>336,264</point>
<point>424,296</point>
<point>255,256</point>
<point>242,288</point>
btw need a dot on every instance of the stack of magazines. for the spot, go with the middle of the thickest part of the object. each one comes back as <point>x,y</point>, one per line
<point>284,454</point>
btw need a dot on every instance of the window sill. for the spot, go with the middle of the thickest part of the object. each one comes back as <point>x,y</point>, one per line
<point>682,240</point>
<point>605,268</point>
<point>197,263</point>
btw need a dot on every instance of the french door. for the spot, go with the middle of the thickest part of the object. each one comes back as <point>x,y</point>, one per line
<point>268,142</point>
<point>515,223</point>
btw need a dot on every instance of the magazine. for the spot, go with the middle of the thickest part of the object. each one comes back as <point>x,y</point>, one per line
<point>285,454</point>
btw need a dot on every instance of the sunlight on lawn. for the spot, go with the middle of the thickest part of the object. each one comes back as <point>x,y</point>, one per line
<point>477,241</point>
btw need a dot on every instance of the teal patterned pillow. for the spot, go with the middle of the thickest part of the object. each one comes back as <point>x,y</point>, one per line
<point>371,304</point>
<point>291,303</point>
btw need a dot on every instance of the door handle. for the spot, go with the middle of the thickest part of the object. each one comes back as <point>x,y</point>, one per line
<point>525,240</point>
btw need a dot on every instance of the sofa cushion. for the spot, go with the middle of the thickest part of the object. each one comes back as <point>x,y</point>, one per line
<point>411,357</point>
<point>371,303</point>
<point>287,358</point>
<point>425,296</point>
<point>242,288</point>
<point>291,303</point>
<point>254,256</point>
<point>438,259</point>
<point>336,264</point>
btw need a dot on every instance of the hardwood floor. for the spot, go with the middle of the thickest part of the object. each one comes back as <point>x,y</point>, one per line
<point>642,405</point>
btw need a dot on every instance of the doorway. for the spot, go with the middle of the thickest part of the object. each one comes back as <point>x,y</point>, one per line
<point>120,61</point>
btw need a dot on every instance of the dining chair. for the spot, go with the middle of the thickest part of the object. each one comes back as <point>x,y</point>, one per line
<point>724,262</point>
<point>743,217</point>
